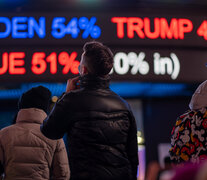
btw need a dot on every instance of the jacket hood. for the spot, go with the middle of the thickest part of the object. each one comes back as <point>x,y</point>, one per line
<point>199,98</point>
<point>31,115</point>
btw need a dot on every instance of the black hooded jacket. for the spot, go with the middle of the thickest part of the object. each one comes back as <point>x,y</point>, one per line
<point>102,133</point>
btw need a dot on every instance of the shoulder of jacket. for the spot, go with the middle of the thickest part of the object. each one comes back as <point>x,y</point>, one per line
<point>182,119</point>
<point>122,101</point>
<point>128,107</point>
<point>60,144</point>
<point>36,132</point>
<point>7,132</point>
<point>72,93</point>
<point>7,129</point>
<point>118,97</point>
<point>188,113</point>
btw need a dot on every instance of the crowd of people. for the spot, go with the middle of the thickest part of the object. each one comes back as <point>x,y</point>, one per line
<point>100,126</point>
<point>101,131</point>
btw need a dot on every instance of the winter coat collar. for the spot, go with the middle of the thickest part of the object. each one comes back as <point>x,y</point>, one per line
<point>31,115</point>
<point>94,82</point>
<point>199,98</point>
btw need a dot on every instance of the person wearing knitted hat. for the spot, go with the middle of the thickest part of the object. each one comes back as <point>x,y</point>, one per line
<point>38,97</point>
<point>24,152</point>
<point>189,137</point>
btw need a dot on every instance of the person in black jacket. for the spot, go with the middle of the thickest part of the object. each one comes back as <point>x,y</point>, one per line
<point>102,132</point>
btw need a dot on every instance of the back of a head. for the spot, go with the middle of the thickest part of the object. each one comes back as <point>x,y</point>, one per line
<point>199,98</point>
<point>99,58</point>
<point>37,97</point>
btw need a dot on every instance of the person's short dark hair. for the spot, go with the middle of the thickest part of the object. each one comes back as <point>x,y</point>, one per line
<point>98,57</point>
<point>37,97</point>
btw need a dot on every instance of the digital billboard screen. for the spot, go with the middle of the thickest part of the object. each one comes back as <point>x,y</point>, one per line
<point>154,48</point>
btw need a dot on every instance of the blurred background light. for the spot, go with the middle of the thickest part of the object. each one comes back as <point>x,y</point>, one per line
<point>124,89</point>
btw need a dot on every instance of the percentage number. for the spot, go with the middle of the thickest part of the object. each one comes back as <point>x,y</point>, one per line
<point>122,63</point>
<point>40,62</point>
<point>74,27</point>
<point>202,30</point>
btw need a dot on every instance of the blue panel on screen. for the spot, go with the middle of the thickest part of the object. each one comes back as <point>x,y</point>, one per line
<point>124,89</point>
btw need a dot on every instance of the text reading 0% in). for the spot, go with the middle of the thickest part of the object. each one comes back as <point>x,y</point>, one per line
<point>123,62</point>
<point>74,27</point>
